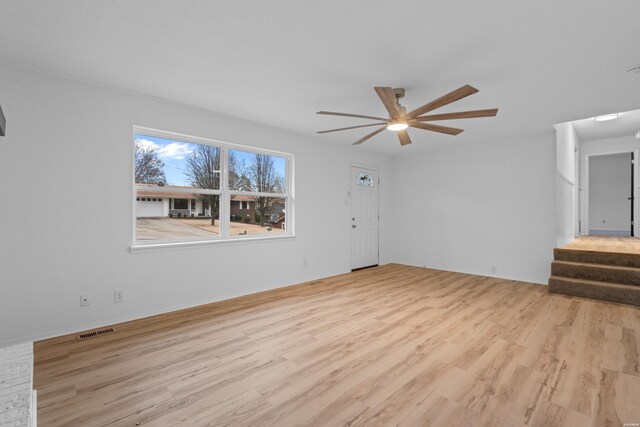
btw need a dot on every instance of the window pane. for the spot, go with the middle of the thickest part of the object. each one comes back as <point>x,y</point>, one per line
<point>263,215</point>
<point>256,172</point>
<point>366,180</point>
<point>160,161</point>
<point>169,216</point>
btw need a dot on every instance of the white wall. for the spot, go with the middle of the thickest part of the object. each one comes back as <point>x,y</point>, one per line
<point>588,149</point>
<point>69,143</point>
<point>609,188</point>
<point>566,177</point>
<point>472,207</point>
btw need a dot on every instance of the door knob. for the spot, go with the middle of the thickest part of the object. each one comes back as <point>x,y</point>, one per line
<point>353,226</point>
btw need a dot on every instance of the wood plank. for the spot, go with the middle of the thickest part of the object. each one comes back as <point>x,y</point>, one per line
<point>391,345</point>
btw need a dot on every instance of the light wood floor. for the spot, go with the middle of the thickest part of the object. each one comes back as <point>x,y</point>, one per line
<point>605,244</point>
<point>392,345</point>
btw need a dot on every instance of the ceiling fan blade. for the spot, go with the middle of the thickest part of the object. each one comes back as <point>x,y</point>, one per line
<point>352,127</point>
<point>403,136</point>
<point>437,128</point>
<point>371,135</point>
<point>332,113</point>
<point>456,95</point>
<point>389,100</point>
<point>459,115</point>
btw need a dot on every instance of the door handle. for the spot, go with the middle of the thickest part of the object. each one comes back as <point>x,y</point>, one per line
<point>353,226</point>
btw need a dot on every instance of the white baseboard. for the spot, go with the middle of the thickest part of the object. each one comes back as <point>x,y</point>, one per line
<point>605,232</point>
<point>148,313</point>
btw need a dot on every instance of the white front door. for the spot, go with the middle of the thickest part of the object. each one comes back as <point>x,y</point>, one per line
<point>364,217</point>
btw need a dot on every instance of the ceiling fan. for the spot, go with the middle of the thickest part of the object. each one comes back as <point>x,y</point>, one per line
<point>399,120</point>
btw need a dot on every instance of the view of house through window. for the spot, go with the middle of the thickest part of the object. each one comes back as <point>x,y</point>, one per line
<point>191,191</point>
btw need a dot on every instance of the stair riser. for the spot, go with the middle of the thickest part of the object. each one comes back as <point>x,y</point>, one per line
<point>597,272</point>
<point>588,257</point>
<point>624,296</point>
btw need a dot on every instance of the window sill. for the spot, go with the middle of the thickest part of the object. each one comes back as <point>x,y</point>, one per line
<point>149,247</point>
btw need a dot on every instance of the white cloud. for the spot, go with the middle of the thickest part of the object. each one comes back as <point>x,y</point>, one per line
<point>145,144</point>
<point>175,150</point>
<point>172,150</point>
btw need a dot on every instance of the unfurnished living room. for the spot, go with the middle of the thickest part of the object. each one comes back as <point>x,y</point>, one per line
<point>334,213</point>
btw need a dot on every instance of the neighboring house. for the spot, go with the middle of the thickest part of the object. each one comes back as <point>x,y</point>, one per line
<point>243,207</point>
<point>280,222</point>
<point>275,214</point>
<point>151,202</point>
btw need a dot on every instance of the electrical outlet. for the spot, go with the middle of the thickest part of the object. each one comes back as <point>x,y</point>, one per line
<point>494,270</point>
<point>84,300</point>
<point>118,295</point>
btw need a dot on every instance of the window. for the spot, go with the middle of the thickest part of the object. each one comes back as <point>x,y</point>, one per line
<point>366,180</point>
<point>180,204</point>
<point>200,189</point>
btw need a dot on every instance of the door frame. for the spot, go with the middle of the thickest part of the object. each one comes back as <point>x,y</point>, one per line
<point>584,188</point>
<point>349,200</point>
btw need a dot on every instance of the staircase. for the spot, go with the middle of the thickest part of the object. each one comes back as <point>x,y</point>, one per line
<point>608,276</point>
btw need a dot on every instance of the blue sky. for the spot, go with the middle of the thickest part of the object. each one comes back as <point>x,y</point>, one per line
<point>174,154</point>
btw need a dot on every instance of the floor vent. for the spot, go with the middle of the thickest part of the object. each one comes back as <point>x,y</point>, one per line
<point>97,333</point>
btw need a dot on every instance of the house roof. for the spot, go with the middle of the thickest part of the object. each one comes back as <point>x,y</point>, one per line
<point>243,198</point>
<point>151,190</point>
<point>163,195</point>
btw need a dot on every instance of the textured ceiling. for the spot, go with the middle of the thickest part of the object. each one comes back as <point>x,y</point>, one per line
<point>278,62</point>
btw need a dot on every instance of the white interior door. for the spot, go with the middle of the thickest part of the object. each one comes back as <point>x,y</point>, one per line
<point>611,188</point>
<point>364,217</point>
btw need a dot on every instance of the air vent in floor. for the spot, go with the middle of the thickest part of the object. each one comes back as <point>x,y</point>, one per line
<point>97,333</point>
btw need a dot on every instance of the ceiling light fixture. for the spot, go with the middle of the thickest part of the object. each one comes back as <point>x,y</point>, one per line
<point>606,117</point>
<point>397,126</point>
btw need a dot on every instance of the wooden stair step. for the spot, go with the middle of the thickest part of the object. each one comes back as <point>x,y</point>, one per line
<point>599,272</point>
<point>594,257</point>
<point>614,292</point>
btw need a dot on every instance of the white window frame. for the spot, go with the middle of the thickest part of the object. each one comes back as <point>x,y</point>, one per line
<point>224,192</point>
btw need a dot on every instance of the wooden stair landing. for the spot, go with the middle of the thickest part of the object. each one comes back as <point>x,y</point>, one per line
<point>603,275</point>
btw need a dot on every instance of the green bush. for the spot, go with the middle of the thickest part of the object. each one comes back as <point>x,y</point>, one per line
<point>246,219</point>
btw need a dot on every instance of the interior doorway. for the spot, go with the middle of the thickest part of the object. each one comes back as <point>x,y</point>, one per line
<point>605,202</point>
<point>364,217</point>
<point>611,195</point>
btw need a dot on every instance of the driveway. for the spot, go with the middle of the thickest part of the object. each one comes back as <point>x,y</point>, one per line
<point>177,228</point>
<point>167,229</point>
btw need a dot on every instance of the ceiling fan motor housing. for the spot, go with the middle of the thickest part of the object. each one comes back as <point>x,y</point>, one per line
<point>398,92</point>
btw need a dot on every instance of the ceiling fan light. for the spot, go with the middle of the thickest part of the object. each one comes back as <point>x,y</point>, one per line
<point>397,126</point>
<point>606,117</point>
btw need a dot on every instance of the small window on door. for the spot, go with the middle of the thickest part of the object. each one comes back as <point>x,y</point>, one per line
<point>365,180</point>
